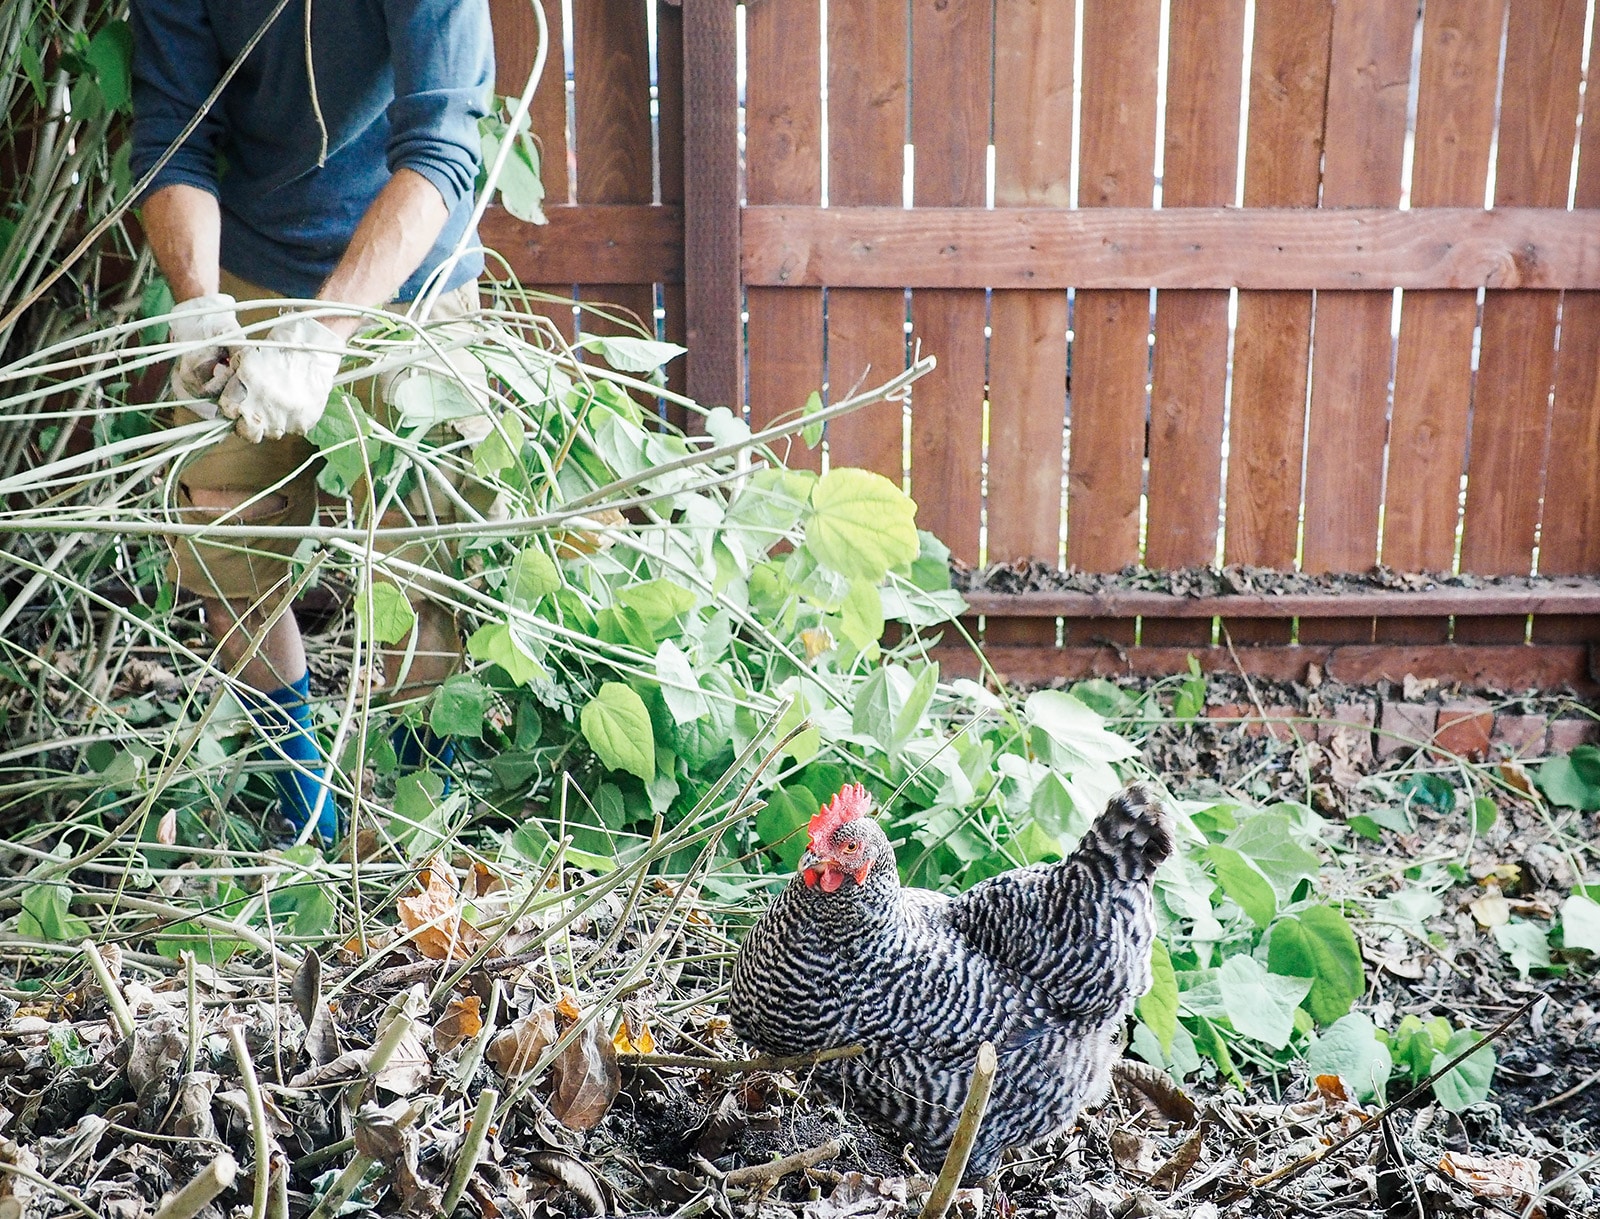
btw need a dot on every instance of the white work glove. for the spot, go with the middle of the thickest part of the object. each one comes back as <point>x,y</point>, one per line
<point>209,323</point>
<point>281,390</point>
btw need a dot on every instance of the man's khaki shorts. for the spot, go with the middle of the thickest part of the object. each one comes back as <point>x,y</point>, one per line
<point>278,479</point>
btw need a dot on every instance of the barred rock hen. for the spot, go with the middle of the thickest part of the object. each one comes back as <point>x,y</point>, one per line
<point>1044,962</point>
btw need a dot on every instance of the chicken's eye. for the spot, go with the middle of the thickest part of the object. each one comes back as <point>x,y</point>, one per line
<point>850,848</point>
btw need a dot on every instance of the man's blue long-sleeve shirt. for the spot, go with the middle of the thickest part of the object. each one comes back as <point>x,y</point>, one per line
<point>400,83</point>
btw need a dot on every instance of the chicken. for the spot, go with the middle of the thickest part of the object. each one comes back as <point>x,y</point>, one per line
<point>1044,962</point>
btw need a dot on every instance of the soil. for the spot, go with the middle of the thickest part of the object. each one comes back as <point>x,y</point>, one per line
<point>113,1122</point>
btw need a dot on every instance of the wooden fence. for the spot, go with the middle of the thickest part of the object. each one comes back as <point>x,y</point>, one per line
<point>1269,322</point>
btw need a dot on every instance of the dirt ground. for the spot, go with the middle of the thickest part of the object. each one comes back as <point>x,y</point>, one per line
<point>92,1122</point>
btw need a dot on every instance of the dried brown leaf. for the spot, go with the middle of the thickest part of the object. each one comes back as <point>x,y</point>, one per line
<point>1516,775</point>
<point>627,1041</point>
<point>167,828</point>
<point>408,1069</point>
<point>460,1022</point>
<point>1152,1090</point>
<point>433,916</point>
<point>516,1051</point>
<point>587,1080</point>
<point>1513,1177</point>
<point>1134,1153</point>
<point>1179,1164</point>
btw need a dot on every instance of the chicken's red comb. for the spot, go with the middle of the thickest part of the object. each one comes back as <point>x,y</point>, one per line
<point>851,802</point>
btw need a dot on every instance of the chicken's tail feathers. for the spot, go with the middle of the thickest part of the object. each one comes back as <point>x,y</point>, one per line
<point>1134,834</point>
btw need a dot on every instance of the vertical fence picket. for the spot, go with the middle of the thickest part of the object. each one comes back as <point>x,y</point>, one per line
<point>1111,327</point>
<point>951,49</point>
<point>1433,365</point>
<point>866,339</point>
<point>669,152</point>
<point>1188,385</point>
<point>1569,536</point>
<point>516,44</point>
<point>1028,340</point>
<point>1516,364</point>
<point>1369,74</point>
<point>611,80</point>
<point>1272,336</point>
<point>783,157</point>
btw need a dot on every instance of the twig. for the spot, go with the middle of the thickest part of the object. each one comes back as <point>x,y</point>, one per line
<point>737,1066</point>
<point>322,1155</point>
<point>191,990</point>
<point>197,1195</point>
<point>471,1149</point>
<point>114,1000</point>
<point>761,1174</point>
<point>972,1111</point>
<point>45,1183</point>
<point>1562,1097</point>
<point>397,1023</point>
<point>258,1120</point>
<point>1289,1171</point>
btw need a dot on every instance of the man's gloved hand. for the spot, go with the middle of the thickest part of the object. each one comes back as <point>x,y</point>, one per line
<point>207,320</point>
<point>281,390</point>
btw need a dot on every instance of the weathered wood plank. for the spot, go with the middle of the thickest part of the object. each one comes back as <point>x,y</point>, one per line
<point>1272,335</point>
<point>613,146</point>
<point>1538,116</point>
<point>1111,352</point>
<point>1514,667</point>
<point>1028,330</point>
<point>783,157</point>
<point>1254,247</point>
<point>713,295</point>
<point>610,243</point>
<point>1567,599</point>
<point>669,155</point>
<point>951,46</point>
<point>1188,386</point>
<point>867,102</point>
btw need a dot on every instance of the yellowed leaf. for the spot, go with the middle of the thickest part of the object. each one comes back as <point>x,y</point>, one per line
<point>516,1051</point>
<point>1332,1088</point>
<point>629,1042</point>
<point>817,640</point>
<point>568,1007</point>
<point>1491,910</point>
<point>1516,775</point>
<point>574,543</point>
<point>586,1080</point>
<point>459,1023</point>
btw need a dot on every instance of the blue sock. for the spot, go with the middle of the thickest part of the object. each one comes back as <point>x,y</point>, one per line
<point>423,749</point>
<point>303,791</point>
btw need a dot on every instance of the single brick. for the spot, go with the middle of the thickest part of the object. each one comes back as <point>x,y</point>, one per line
<point>1566,735</point>
<point>1521,735</point>
<point>1466,727</point>
<point>1355,719</point>
<point>1405,726</point>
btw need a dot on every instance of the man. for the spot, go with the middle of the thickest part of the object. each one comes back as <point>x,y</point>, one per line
<point>338,164</point>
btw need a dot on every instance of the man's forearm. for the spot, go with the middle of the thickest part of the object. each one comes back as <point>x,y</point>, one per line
<point>394,236</point>
<point>184,226</point>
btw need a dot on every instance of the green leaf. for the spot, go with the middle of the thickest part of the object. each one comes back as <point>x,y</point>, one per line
<point>890,703</point>
<point>1260,1005</point>
<point>1526,944</point>
<point>617,727</point>
<point>388,617</point>
<point>532,577</point>
<point>1076,732</point>
<point>519,184</point>
<point>1319,945</point>
<point>788,811</point>
<point>342,437</point>
<point>657,602</point>
<point>628,354</point>
<point>1158,1006</point>
<point>497,451</point>
<point>1209,1041</point>
<point>1580,923</point>
<point>1350,1049</point>
<point>494,644</point>
<point>1484,814</point>
<point>1413,1047</point>
<point>1267,840</point>
<point>811,434</point>
<point>33,69</point>
<point>862,616</point>
<point>459,706</point>
<point>1244,883</point>
<point>1468,1083</point>
<point>110,53</point>
<point>155,300</point>
<point>210,948</point>
<point>417,800</point>
<point>45,916</point>
<point>67,1048</point>
<point>1053,808</point>
<point>861,525</point>
<point>679,688</point>
<point>1572,781</point>
<point>426,399</point>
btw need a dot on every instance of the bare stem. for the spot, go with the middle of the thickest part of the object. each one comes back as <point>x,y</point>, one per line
<point>972,1111</point>
<point>197,1195</point>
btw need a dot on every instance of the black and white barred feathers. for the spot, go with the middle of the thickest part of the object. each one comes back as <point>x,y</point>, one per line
<point>1044,962</point>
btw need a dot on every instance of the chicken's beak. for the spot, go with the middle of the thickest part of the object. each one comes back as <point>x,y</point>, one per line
<point>811,867</point>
